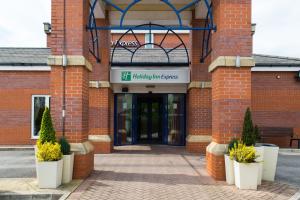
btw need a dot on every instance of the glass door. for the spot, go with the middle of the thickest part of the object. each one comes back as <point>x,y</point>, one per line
<point>149,126</point>
<point>123,122</point>
<point>176,119</point>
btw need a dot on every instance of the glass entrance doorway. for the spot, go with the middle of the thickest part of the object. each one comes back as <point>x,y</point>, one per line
<point>149,119</point>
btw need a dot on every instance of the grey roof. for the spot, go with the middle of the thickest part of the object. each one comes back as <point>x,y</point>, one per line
<point>150,56</point>
<point>24,56</point>
<point>267,60</point>
<point>38,57</point>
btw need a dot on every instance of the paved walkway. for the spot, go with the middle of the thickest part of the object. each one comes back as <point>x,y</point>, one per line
<point>144,172</point>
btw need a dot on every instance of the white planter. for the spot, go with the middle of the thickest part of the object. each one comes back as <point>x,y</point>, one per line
<point>49,174</point>
<point>270,162</point>
<point>260,159</point>
<point>68,168</point>
<point>246,175</point>
<point>229,169</point>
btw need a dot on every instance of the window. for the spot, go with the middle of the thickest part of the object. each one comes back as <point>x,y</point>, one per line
<point>149,38</point>
<point>39,103</point>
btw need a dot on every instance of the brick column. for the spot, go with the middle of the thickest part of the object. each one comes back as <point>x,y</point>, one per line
<point>199,97</point>
<point>231,78</point>
<point>101,96</point>
<point>76,82</point>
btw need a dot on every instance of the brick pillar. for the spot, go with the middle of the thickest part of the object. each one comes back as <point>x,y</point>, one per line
<point>199,97</point>
<point>101,96</point>
<point>231,78</point>
<point>77,83</point>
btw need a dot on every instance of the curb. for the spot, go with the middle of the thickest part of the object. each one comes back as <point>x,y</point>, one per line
<point>16,148</point>
<point>296,196</point>
<point>289,150</point>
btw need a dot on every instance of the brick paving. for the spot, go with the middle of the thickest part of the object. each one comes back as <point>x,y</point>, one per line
<point>155,172</point>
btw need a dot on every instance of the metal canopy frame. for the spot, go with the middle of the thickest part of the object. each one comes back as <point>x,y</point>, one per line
<point>140,45</point>
<point>208,28</point>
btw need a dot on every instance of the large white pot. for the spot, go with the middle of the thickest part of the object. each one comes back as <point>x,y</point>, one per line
<point>68,168</point>
<point>270,162</point>
<point>260,160</point>
<point>246,175</point>
<point>49,174</point>
<point>229,169</point>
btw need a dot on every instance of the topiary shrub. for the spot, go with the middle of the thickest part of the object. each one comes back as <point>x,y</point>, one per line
<point>65,146</point>
<point>256,133</point>
<point>248,136</point>
<point>47,132</point>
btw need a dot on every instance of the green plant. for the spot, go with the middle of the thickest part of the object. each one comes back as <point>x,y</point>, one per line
<point>47,132</point>
<point>231,144</point>
<point>65,146</point>
<point>248,136</point>
<point>48,151</point>
<point>256,133</point>
<point>242,153</point>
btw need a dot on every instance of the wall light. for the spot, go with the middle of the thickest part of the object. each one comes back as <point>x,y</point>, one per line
<point>253,29</point>
<point>47,27</point>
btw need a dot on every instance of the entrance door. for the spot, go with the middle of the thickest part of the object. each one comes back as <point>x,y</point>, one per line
<point>150,113</point>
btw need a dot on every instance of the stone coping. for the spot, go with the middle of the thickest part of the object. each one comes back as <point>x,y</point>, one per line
<point>73,60</point>
<point>199,138</point>
<point>217,149</point>
<point>231,61</point>
<point>82,148</point>
<point>100,138</point>
<point>100,84</point>
<point>200,84</point>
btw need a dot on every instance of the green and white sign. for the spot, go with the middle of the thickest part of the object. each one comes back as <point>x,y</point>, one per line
<point>134,75</point>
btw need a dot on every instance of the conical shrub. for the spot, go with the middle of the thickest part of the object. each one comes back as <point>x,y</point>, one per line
<point>248,136</point>
<point>47,132</point>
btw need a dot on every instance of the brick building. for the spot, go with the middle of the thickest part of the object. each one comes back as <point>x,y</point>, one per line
<point>143,79</point>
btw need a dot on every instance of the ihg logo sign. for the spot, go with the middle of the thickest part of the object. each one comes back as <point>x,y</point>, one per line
<point>126,76</point>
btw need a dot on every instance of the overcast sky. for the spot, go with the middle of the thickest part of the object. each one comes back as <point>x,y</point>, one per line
<point>277,33</point>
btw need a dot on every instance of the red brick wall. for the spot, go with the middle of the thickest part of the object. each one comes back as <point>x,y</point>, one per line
<point>233,36</point>
<point>16,90</point>
<point>231,95</point>
<point>275,102</point>
<point>77,101</point>
<point>77,12</point>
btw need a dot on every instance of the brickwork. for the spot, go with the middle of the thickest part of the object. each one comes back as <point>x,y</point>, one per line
<point>103,147</point>
<point>100,117</point>
<point>231,87</point>
<point>77,12</point>
<point>275,102</point>
<point>215,166</point>
<point>197,147</point>
<point>198,99</point>
<point>83,165</point>
<point>77,77</point>
<point>233,35</point>
<point>101,99</point>
<point>101,70</point>
<point>231,95</point>
<point>198,117</point>
<point>16,90</point>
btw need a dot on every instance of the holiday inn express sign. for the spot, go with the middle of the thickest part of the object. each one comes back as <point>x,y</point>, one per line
<point>150,75</point>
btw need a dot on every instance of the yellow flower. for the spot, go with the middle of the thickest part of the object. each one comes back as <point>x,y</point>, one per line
<point>48,151</point>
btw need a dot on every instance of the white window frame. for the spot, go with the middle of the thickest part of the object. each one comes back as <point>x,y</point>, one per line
<point>32,112</point>
<point>149,46</point>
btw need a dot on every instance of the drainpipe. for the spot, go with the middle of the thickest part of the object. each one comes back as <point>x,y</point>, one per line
<point>64,64</point>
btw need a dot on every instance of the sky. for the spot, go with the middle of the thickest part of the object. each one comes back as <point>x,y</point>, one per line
<point>277,31</point>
